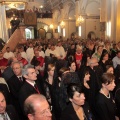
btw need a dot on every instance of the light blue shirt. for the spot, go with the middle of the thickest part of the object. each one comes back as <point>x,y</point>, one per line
<point>116,61</point>
<point>6,115</point>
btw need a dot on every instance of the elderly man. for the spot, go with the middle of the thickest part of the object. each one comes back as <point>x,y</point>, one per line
<point>31,85</point>
<point>15,83</point>
<point>6,112</point>
<point>36,107</point>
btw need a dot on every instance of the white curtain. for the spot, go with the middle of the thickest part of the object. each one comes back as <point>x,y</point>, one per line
<point>3,26</point>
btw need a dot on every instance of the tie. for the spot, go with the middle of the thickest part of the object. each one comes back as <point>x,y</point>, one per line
<point>36,88</point>
<point>4,116</point>
<point>20,78</point>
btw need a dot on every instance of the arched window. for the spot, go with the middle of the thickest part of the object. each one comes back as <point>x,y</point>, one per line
<point>28,33</point>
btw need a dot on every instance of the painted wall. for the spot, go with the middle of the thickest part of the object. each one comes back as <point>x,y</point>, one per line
<point>70,27</point>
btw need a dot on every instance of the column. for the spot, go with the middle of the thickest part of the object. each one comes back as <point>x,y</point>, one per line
<point>62,11</point>
<point>62,16</point>
<point>117,20</point>
<point>77,6</point>
<point>3,26</point>
<point>113,20</point>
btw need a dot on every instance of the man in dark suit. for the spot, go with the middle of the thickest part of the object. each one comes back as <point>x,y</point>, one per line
<point>7,112</point>
<point>31,84</point>
<point>15,83</point>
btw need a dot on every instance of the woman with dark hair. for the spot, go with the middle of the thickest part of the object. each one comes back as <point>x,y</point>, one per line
<point>72,66</point>
<point>36,64</point>
<point>85,77</point>
<point>105,105</point>
<point>77,108</point>
<point>104,60</point>
<point>109,69</point>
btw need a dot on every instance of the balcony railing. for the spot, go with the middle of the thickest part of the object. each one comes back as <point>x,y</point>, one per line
<point>20,13</point>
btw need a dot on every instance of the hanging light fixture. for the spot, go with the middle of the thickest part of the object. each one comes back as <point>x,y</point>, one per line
<point>62,24</point>
<point>79,20</point>
<point>14,4</point>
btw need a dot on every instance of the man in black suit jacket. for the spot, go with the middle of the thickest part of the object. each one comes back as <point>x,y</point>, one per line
<point>15,84</point>
<point>31,84</point>
<point>7,111</point>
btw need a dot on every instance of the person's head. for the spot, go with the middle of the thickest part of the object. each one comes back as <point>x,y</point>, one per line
<point>52,47</point>
<point>85,76</point>
<point>36,52</point>
<point>118,54</point>
<point>49,45</point>
<point>40,48</point>
<point>109,69</point>
<point>36,64</point>
<point>29,73</point>
<point>62,71</point>
<point>8,49</point>
<point>108,81</point>
<point>30,45</point>
<point>75,94</point>
<point>2,103</point>
<point>104,56</point>
<point>36,107</point>
<point>79,49</point>
<point>17,68</point>
<point>51,69</point>
<point>21,49</point>
<point>100,49</point>
<point>90,45</point>
<point>59,43</point>
<point>93,62</point>
<point>72,46</point>
<point>18,56</point>
<point>72,66</point>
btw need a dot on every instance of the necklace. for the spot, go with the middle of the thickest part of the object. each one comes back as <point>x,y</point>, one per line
<point>104,94</point>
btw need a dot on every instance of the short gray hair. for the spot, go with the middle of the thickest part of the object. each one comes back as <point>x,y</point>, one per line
<point>25,70</point>
<point>17,62</point>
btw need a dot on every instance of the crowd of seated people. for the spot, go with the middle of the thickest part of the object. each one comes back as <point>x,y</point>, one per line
<point>78,79</point>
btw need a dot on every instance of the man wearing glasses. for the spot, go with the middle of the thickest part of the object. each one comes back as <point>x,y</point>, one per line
<point>36,107</point>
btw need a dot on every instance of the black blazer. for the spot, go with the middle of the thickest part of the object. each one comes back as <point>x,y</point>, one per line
<point>70,114</point>
<point>4,89</point>
<point>12,113</point>
<point>26,90</point>
<point>14,85</point>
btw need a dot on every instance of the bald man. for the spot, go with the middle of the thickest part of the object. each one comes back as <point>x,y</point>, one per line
<point>36,107</point>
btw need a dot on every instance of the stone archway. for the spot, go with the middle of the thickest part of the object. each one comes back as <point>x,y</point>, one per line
<point>91,35</point>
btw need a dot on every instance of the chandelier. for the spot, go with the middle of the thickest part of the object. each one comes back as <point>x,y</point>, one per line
<point>62,24</point>
<point>79,20</point>
<point>14,4</point>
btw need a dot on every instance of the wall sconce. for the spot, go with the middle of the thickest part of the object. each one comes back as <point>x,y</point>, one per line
<point>51,26</point>
<point>79,20</point>
<point>62,24</point>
